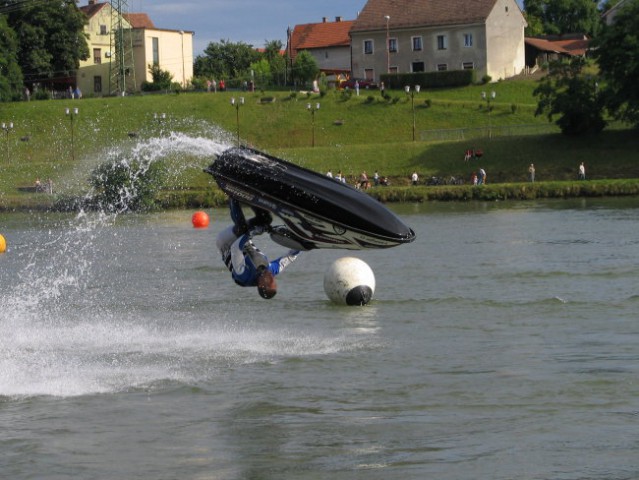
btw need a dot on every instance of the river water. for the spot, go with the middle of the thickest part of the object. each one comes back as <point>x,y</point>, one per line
<point>502,344</point>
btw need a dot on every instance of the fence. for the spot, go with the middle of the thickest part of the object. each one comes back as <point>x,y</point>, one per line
<point>457,134</point>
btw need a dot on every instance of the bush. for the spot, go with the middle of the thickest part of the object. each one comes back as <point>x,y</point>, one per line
<point>125,186</point>
<point>449,78</point>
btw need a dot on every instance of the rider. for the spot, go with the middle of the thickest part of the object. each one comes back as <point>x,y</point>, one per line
<point>249,267</point>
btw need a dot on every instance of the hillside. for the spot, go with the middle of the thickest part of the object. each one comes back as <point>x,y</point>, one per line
<point>350,134</point>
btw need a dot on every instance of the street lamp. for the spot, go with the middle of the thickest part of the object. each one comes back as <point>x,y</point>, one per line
<point>71,113</point>
<point>7,127</point>
<point>237,106</point>
<point>160,118</point>
<point>313,109</point>
<point>412,94</point>
<point>387,17</point>
<point>488,98</point>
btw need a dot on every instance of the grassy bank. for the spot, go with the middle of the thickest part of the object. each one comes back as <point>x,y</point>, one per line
<point>351,134</point>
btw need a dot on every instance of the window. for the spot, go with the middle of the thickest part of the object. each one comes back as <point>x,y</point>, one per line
<point>442,67</point>
<point>368,47</point>
<point>97,55</point>
<point>417,44</point>
<point>468,65</point>
<point>369,74</point>
<point>468,39</point>
<point>442,42</point>
<point>97,84</point>
<point>393,70</point>
<point>418,67</point>
<point>103,29</point>
<point>392,45</point>
<point>156,50</point>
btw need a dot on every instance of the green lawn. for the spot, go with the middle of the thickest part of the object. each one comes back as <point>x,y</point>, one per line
<point>352,133</point>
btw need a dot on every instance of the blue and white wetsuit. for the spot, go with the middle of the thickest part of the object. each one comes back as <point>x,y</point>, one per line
<point>243,259</point>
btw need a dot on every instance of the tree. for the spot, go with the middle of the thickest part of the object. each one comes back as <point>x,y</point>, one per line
<point>562,17</point>
<point>161,79</point>
<point>262,71</point>
<point>576,97</point>
<point>10,73</point>
<point>51,38</point>
<point>617,52</point>
<point>225,60</point>
<point>277,62</point>
<point>305,67</point>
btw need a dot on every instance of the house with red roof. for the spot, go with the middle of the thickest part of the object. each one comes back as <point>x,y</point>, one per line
<point>542,50</point>
<point>404,36</point>
<point>328,41</point>
<point>171,49</point>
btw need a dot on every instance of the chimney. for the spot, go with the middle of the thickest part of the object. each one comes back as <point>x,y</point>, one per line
<point>91,2</point>
<point>323,19</point>
<point>338,19</point>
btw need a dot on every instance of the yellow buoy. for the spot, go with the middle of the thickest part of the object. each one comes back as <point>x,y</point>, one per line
<point>3,244</point>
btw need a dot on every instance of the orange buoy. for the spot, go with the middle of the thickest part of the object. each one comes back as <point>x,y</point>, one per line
<point>3,244</point>
<point>200,219</point>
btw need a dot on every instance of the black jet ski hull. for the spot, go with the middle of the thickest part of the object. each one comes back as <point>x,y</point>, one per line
<point>318,211</point>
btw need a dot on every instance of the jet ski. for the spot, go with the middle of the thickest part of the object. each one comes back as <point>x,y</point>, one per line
<point>318,211</point>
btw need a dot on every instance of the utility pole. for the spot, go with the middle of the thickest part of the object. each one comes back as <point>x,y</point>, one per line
<point>121,68</point>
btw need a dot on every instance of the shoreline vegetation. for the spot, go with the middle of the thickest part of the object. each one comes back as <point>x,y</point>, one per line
<point>214,197</point>
<point>352,134</point>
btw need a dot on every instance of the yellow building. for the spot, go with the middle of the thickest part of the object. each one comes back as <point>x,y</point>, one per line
<point>172,50</point>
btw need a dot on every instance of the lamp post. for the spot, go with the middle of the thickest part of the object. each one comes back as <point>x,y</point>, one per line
<point>412,94</point>
<point>313,109</point>
<point>387,17</point>
<point>71,113</point>
<point>160,118</point>
<point>7,127</point>
<point>488,98</point>
<point>237,106</point>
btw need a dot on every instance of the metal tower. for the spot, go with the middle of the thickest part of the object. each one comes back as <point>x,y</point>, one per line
<point>121,67</point>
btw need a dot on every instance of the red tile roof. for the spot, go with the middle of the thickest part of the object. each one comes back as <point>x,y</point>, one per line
<point>572,46</point>
<point>412,13</point>
<point>139,20</point>
<point>320,35</point>
<point>90,10</point>
<point>575,47</point>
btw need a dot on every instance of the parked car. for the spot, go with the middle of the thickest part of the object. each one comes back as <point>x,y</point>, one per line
<point>363,83</point>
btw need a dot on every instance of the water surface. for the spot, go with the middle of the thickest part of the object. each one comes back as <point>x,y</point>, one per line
<point>501,344</point>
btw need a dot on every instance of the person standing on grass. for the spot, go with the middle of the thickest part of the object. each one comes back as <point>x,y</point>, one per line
<point>531,173</point>
<point>481,177</point>
<point>582,171</point>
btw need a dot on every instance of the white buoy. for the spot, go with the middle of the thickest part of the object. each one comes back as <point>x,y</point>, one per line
<point>349,281</point>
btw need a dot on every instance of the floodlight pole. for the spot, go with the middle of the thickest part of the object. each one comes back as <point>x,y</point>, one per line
<point>7,127</point>
<point>71,113</point>
<point>488,98</point>
<point>412,94</point>
<point>313,109</point>
<point>237,106</point>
